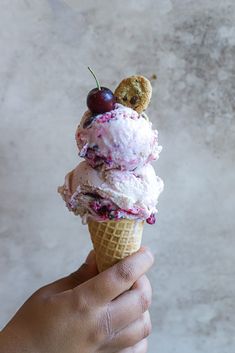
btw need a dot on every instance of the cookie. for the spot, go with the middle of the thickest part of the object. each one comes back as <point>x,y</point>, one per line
<point>134,92</point>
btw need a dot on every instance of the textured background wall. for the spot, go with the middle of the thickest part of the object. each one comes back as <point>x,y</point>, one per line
<point>45,47</point>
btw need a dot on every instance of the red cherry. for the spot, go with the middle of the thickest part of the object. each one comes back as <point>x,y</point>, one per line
<point>100,99</point>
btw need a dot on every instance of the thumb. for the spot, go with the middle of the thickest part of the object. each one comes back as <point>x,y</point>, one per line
<point>90,260</point>
<point>87,270</point>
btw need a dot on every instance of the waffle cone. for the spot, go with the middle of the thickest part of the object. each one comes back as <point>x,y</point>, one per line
<point>114,240</point>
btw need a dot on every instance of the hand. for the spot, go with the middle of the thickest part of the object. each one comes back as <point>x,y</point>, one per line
<point>86,312</point>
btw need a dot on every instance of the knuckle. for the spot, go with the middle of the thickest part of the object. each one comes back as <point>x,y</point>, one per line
<point>147,330</point>
<point>148,284</point>
<point>125,271</point>
<point>147,327</point>
<point>79,302</point>
<point>43,292</point>
<point>49,302</point>
<point>145,301</point>
<point>103,327</point>
<point>145,293</point>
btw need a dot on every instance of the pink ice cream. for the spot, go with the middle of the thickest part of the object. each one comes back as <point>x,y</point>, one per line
<point>116,180</point>
<point>118,139</point>
<point>112,194</point>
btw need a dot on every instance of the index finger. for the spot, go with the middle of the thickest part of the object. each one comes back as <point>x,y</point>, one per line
<point>109,284</point>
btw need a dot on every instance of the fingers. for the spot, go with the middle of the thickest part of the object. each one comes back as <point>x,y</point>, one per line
<point>140,347</point>
<point>129,306</point>
<point>109,284</point>
<point>84,273</point>
<point>131,335</point>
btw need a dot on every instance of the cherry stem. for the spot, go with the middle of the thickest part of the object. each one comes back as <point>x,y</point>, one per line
<point>96,80</point>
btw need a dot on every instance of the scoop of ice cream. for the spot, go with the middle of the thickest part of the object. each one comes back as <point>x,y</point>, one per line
<point>112,194</point>
<point>118,139</point>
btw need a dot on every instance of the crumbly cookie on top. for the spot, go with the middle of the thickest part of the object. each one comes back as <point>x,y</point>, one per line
<point>134,92</point>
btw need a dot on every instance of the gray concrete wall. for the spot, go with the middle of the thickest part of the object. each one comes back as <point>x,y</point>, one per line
<point>45,47</point>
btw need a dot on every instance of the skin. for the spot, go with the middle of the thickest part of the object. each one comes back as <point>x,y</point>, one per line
<point>86,312</point>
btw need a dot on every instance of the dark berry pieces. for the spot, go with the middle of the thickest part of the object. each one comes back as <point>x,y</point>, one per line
<point>151,219</point>
<point>89,121</point>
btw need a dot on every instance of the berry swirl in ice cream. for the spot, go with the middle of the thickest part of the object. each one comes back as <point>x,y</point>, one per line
<point>117,139</point>
<point>112,194</point>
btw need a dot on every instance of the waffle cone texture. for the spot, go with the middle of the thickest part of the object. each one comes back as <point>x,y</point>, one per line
<point>114,240</point>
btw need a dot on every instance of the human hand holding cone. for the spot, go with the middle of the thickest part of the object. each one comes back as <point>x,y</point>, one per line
<point>115,189</point>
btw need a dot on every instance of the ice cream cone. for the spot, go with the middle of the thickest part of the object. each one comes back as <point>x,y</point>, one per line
<point>114,240</point>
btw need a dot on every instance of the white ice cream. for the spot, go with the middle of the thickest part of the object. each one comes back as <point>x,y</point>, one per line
<point>112,194</point>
